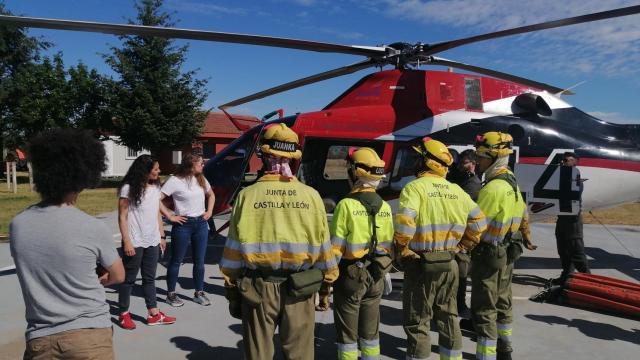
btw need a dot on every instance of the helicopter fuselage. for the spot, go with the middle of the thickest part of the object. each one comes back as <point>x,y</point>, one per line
<point>390,110</point>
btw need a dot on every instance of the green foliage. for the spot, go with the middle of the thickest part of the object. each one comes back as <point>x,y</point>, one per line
<point>38,93</point>
<point>155,104</point>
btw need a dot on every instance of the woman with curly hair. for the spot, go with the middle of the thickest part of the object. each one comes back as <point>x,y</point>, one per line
<point>58,248</point>
<point>143,237</point>
<point>189,189</point>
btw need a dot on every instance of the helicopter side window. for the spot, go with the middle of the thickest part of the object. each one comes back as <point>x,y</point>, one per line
<point>405,164</point>
<point>335,168</point>
<point>472,94</point>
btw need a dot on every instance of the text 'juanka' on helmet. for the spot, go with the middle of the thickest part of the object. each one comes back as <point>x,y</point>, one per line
<point>364,162</point>
<point>280,140</point>
<point>494,144</point>
<point>436,155</point>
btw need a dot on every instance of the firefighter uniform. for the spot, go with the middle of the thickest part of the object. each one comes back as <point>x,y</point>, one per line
<point>358,291</point>
<point>492,261</point>
<point>436,219</point>
<point>278,227</point>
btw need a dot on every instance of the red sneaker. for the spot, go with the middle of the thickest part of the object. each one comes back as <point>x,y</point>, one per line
<point>125,321</point>
<point>160,319</point>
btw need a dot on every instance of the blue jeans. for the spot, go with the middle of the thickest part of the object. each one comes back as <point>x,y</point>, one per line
<point>195,231</point>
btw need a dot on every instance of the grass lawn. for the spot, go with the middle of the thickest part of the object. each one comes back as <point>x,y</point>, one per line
<point>93,201</point>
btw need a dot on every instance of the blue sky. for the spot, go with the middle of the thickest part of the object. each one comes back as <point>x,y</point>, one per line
<point>603,55</point>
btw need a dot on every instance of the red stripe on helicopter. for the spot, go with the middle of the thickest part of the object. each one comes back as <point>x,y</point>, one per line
<point>590,162</point>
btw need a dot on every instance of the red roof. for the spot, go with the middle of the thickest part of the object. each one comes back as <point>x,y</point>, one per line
<point>218,125</point>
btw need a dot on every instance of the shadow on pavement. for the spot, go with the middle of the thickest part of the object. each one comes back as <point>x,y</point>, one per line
<point>601,259</point>
<point>591,329</point>
<point>200,350</point>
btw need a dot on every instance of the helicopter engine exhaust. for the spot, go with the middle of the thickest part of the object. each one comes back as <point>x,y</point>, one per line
<point>530,103</point>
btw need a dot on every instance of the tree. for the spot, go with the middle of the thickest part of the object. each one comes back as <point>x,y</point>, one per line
<point>17,50</point>
<point>38,93</point>
<point>156,106</point>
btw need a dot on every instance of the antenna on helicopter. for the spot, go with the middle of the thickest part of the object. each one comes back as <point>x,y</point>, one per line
<point>567,90</point>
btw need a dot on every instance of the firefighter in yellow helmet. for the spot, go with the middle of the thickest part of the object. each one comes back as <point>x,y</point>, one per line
<point>492,261</point>
<point>364,257</point>
<point>277,254</point>
<point>435,220</point>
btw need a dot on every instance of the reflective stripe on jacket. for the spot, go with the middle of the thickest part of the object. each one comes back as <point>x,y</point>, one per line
<point>436,215</point>
<point>351,229</point>
<point>498,202</point>
<point>280,225</point>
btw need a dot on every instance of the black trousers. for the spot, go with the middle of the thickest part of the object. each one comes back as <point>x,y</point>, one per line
<point>571,245</point>
<point>147,258</point>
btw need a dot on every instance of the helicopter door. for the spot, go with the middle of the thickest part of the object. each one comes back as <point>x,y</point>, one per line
<point>233,168</point>
<point>324,167</point>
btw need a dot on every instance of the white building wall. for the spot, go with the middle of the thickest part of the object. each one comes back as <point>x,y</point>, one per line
<point>118,159</point>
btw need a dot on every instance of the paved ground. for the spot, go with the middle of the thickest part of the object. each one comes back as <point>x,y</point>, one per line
<point>542,331</point>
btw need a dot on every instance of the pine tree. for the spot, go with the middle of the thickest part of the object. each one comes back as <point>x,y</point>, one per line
<point>155,104</point>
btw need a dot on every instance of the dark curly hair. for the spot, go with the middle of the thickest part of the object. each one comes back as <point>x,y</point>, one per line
<point>137,177</point>
<point>185,169</point>
<point>65,161</point>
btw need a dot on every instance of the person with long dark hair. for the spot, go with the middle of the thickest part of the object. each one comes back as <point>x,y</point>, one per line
<point>143,237</point>
<point>57,249</point>
<point>189,190</point>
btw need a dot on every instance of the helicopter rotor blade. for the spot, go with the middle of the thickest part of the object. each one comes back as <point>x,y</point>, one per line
<point>165,32</point>
<point>345,70</point>
<point>446,45</point>
<point>498,74</point>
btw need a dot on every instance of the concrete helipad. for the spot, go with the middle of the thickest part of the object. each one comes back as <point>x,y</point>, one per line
<point>541,331</point>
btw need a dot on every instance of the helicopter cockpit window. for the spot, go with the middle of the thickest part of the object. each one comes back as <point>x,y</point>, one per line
<point>472,94</point>
<point>405,164</point>
<point>335,167</point>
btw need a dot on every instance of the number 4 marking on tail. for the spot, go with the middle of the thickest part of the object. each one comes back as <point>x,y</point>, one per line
<point>564,193</point>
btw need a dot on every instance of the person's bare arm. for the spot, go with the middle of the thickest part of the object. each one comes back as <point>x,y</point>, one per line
<point>163,242</point>
<point>114,274</point>
<point>123,223</point>
<point>169,214</point>
<point>211,200</point>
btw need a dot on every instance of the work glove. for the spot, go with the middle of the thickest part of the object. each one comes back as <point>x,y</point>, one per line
<point>323,297</point>
<point>529,245</point>
<point>403,256</point>
<point>235,301</point>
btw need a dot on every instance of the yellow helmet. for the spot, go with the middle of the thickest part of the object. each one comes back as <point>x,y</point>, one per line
<point>279,140</point>
<point>494,144</point>
<point>436,155</point>
<point>365,162</point>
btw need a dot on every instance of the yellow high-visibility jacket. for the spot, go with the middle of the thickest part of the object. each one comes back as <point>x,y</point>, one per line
<point>351,229</point>
<point>278,224</point>
<point>436,215</point>
<point>504,213</point>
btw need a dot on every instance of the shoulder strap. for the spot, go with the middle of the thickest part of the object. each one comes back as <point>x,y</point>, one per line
<point>510,179</point>
<point>372,202</point>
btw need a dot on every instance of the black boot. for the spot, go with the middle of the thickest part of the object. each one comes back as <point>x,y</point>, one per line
<point>502,355</point>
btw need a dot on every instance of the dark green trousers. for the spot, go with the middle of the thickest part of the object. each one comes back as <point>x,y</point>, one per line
<point>431,295</point>
<point>295,320</point>
<point>357,318</point>
<point>491,306</point>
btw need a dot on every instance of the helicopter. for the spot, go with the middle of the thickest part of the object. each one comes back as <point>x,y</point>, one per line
<point>390,110</point>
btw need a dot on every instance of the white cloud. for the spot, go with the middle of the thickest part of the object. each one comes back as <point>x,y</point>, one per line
<point>305,2</point>
<point>348,35</point>
<point>610,46</point>
<point>614,117</point>
<point>205,8</point>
